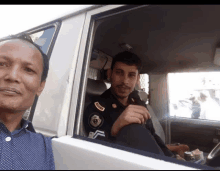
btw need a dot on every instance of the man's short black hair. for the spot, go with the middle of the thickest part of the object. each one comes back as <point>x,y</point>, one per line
<point>128,58</point>
<point>27,38</point>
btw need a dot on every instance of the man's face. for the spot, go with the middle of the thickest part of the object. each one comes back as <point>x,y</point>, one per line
<point>123,79</point>
<point>21,67</point>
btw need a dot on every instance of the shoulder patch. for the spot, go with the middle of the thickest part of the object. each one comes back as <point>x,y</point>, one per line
<point>99,107</point>
<point>98,133</point>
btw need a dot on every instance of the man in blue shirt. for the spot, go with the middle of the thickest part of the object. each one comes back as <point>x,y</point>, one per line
<point>23,72</point>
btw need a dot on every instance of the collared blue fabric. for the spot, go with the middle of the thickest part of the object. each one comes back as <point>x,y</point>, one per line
<point>23,149</point>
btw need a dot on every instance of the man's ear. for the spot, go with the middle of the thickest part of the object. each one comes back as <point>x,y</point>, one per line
<point>138,78</point>
<point>138,85</point>
<point>109,73</point>
<point>40,89</point>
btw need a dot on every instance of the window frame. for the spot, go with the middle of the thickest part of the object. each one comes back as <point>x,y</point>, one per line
<point>85,51</point>
<point>55,24</point>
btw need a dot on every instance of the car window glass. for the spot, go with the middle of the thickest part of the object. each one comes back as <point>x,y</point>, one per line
<point>43,38</point>
<point>93,73</point>
<point>144,83</point>
<point>195,95</point>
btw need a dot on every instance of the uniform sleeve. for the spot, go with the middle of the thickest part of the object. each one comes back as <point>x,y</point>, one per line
<point>89,110</point>
<point>95,122</point>
<point>93,118</point>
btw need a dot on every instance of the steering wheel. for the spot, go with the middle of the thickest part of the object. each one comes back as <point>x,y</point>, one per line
<point>214,157</point>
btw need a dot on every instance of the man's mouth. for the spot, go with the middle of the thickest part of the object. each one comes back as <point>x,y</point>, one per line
<point>123,88</point>
<point>10,91</point>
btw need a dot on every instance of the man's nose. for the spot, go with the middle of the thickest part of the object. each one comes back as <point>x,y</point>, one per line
<point>13,74</point>
<point>125,79</point>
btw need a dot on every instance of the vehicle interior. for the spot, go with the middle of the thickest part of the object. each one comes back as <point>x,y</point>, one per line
<point>168,39</point>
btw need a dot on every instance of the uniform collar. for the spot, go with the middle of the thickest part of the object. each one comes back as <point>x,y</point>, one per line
<point>109,95</point>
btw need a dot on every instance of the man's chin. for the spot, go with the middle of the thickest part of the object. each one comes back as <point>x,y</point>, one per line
<point>10,108</point>
<point>122,95</point>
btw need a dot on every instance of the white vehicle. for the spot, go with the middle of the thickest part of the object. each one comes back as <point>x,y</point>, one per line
<point>168,39</point>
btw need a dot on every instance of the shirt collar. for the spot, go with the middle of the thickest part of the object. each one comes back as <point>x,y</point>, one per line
<point>25,124</point>
<point>109,93</point>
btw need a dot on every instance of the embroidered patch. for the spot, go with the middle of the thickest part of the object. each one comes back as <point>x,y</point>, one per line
<point>98,133</point>
<point>95,120</point>
<point>99,107</point>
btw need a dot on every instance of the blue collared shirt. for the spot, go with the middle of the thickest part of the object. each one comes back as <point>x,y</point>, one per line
<point>24,149</point>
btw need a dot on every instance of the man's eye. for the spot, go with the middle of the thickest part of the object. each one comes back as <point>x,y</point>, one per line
<point>3,64</point>
<point>29,70</point>
<point>132,75</point>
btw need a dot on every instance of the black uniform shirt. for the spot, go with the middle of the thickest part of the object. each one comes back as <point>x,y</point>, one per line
<point>104,111</point>
<point>101,114</point>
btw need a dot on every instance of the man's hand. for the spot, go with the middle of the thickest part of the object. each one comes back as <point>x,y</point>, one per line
<point>132,114</point>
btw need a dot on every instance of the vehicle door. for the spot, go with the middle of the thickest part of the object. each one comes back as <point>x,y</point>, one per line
<point>71,150</point>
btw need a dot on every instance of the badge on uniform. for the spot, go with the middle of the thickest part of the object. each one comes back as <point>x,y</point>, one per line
<point>95,120</point>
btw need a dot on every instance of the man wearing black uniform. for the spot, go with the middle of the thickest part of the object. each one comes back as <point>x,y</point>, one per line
<point>119,115</point>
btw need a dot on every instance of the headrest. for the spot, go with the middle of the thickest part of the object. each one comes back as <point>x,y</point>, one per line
<point>143,95</point>
<point>95,87</point>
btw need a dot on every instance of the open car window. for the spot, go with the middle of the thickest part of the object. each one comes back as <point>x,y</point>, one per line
<point>195,95</point>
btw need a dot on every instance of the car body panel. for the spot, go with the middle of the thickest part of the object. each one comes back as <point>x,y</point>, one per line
<point>54,100</point>
<point>71,153</point>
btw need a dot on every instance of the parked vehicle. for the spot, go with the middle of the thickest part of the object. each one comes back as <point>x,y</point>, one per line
<point>168,39</point>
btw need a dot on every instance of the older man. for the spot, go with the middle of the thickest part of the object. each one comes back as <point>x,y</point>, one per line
<point>23,72</point>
